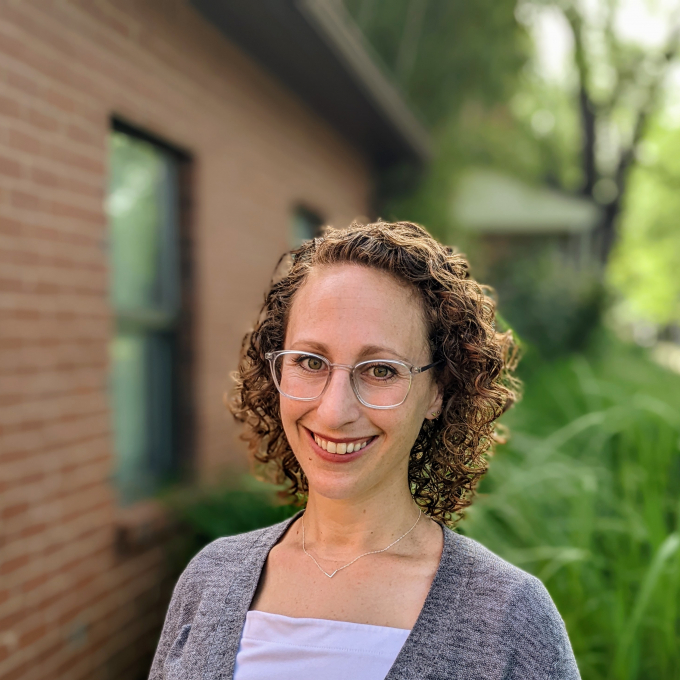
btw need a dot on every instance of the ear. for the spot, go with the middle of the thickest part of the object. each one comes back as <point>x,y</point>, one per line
<point>435,407</point>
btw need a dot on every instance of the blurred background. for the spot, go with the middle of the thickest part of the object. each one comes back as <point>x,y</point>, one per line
<point>158,156</point>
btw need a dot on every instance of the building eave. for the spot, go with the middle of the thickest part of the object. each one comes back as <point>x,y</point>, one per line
<point>314,48</point>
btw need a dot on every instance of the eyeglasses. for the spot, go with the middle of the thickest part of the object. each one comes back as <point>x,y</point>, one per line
<point>377,383</point>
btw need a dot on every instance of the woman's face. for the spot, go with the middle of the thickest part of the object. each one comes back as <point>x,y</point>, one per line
<point>349,313</point>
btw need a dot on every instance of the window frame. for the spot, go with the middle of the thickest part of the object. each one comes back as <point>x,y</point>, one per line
<point>175,323</point>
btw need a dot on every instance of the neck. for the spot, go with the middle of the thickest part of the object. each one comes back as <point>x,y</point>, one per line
<point>341,527</point>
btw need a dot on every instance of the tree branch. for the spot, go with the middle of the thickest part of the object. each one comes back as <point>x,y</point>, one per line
<point>586,105</point>
<point>627,157</point>
<point>646,110</point>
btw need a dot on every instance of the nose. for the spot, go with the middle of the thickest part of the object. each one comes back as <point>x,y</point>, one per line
<point>338,405</point>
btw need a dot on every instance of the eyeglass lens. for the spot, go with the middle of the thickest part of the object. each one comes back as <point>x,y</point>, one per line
<point>378,383</point>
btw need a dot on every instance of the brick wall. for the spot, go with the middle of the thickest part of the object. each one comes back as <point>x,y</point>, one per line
<point>71,605</point>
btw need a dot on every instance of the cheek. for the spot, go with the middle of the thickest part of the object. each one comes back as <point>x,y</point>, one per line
<point>402,428</point>
<point>291,411</point>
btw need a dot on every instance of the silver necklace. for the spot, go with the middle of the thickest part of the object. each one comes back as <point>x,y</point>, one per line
<point>370,552</point>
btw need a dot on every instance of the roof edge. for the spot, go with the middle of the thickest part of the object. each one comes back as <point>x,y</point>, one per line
<point>333,25</point>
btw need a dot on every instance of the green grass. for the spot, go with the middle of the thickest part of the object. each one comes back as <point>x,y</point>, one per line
<point>587,496</point>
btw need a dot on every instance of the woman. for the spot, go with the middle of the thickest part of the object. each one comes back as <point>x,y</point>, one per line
<point>370,384</point>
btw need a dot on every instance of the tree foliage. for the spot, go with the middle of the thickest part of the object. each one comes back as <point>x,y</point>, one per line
<point>442,53</point>
<point>580,133</point>
<point>645,265</point>
<point>615,85</point>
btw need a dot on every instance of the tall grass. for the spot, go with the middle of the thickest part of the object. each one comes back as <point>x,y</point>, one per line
<point>587,496</point>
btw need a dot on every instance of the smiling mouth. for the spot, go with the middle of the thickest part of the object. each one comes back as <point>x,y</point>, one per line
<point>342,448</point>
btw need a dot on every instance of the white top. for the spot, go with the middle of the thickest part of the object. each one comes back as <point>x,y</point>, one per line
<point>285,648</point>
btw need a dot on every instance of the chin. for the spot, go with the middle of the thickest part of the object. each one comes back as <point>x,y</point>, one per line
<point>333,484</point>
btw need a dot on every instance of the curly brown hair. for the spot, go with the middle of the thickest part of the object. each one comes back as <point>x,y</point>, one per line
<point>474,369</point>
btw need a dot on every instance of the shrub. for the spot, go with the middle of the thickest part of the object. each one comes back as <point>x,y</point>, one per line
<point>587,497</point>
<point>550,303</point>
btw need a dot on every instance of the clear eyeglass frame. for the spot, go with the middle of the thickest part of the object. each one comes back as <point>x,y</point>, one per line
<point>412,370</point>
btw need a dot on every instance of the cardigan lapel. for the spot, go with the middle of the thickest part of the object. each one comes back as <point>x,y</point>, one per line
<point>224,647</point>
<point>441,615</point>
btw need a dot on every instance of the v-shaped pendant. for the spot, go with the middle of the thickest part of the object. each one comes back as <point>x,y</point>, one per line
<point>370,552</point>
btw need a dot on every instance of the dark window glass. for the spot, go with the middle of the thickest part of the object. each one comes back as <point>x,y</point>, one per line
<point>145,285</point>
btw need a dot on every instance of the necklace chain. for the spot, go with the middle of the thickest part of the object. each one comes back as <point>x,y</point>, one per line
<point>370,552</point>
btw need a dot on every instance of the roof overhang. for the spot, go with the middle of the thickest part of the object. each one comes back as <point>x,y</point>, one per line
<point>489,202</point>
<point>315,49</point>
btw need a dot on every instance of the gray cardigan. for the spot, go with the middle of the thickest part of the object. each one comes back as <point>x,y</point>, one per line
<point>483,619</point>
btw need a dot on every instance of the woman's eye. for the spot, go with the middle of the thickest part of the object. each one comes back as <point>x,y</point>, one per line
<point>314,364</point>
<point>380,371</point>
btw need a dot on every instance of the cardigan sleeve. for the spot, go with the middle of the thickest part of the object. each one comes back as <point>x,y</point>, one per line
<point>538,637</point>
<point>180,614</point>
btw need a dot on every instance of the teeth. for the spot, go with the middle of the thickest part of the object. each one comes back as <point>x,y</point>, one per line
<point>339,448</point>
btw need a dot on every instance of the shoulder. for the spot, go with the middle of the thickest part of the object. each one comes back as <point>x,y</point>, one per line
<point>491,577</point>
<point>228,547</point>
<point>211,571</point>
<point>502,587</point>
<point>513,608</point>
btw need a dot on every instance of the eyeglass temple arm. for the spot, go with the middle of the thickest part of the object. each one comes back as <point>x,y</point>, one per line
<point>422,369</point>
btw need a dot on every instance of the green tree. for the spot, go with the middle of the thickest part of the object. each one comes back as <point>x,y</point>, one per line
<point>465,66</point>
<point>613,85</point>
<point>645,264</point>
<point>442,53</point>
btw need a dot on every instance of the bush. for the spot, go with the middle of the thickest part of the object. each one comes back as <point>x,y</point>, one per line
<point>587,497</point>
<point>551,304</point>
<point>204,515</point>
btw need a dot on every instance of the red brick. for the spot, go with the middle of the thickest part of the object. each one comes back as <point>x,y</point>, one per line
<point>9,167</point>
<point>42,120</point>
<point>66,66</point>
<point>75,212</point>
<point>18,672</point>
<point>23,82</point>
<point>64,182</point>
<point>61,101</point>
<point>80,134</point>
<point>28,638</point>
<point>57,356</point>
<point>12,565</point>
<point>9,106</point>
<point>33,529</point>
<point>26,201</point>
<point>10,226</point>
<point>22,141</point>
<point>13,510</point>
<point>77,160</point>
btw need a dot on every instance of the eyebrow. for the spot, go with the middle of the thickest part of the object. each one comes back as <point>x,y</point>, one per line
<point>366,350</point>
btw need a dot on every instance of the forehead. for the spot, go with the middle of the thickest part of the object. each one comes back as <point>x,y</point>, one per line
<point>346,307</point>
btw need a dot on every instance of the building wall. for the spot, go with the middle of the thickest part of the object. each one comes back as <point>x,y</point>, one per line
<point>72,605</point>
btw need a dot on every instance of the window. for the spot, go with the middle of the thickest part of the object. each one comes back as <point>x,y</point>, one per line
<point>305,225</point>
<point>146,290</point>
